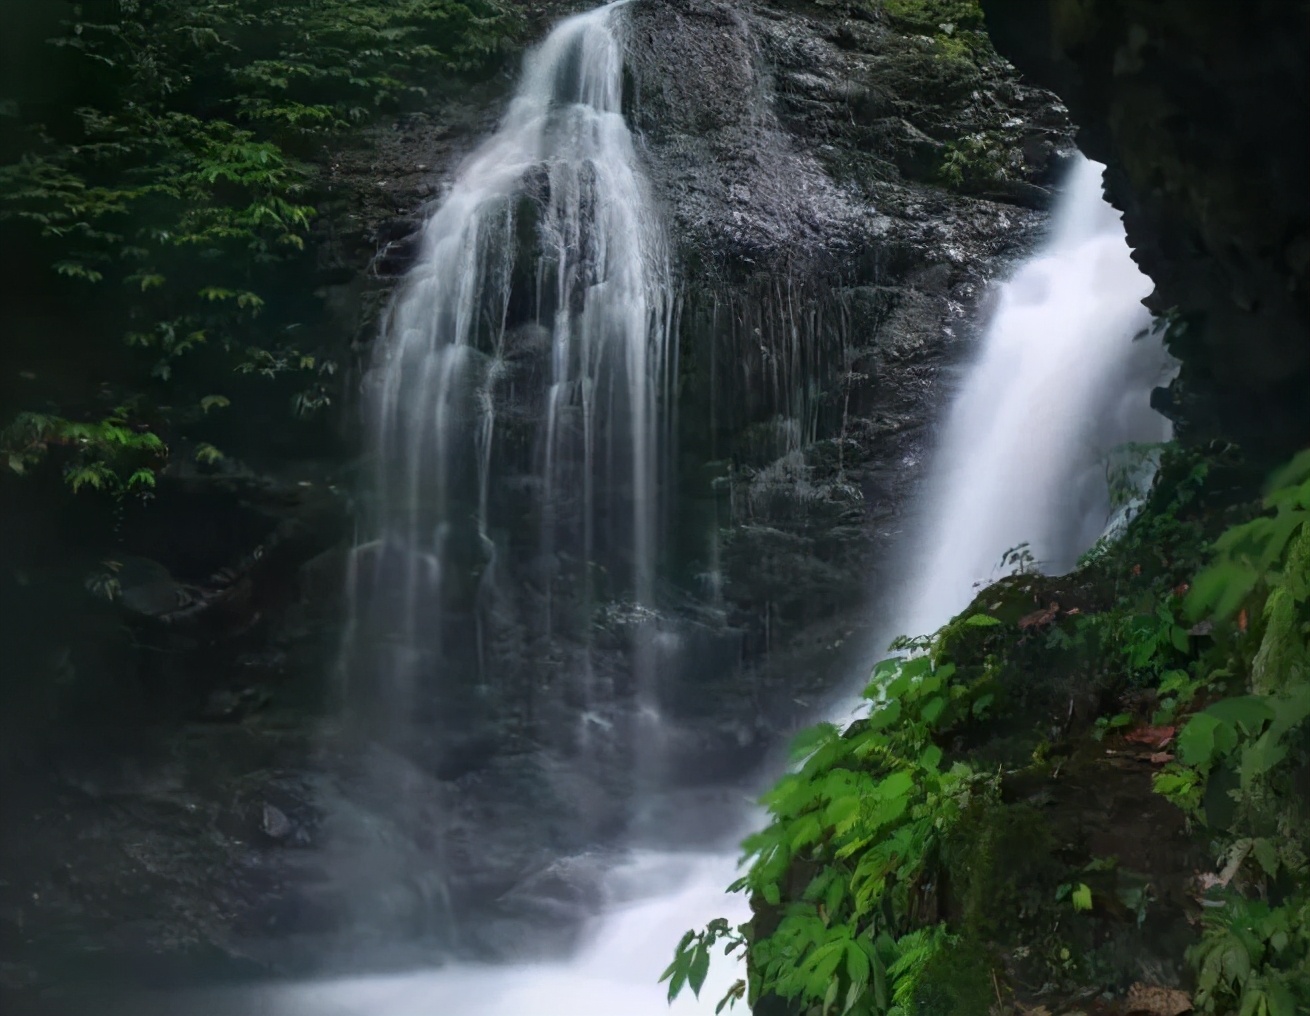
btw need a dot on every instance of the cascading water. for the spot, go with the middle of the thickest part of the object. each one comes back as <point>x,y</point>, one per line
<point>1060,380</point>
<point>1064,378</point>
<point>562,171</point>
<point>516,416</point>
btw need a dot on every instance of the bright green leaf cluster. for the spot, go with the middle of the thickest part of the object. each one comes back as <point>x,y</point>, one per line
<point>865,808</point>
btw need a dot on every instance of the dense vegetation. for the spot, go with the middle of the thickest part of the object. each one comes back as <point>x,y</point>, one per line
<point>170,188</point>
<point>909,867</point>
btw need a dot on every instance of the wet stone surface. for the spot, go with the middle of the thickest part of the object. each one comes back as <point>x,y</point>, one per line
<point>826,282</point>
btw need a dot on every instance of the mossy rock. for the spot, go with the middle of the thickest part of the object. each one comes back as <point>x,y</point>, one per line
<point>929,15</point>
<point>956,984</point>
<point>1000,866</point>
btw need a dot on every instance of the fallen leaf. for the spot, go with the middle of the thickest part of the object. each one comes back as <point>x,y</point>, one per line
<point>1153,737</point>
<point>1241,619</point>
<point>1040,618</point>
<point>1181,589</point>
<point>1201,628</point>
<point>1158,1001</point>
<point>1160,758</point>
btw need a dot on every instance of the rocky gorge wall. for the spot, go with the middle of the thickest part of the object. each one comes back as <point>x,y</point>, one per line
<point>830,269</point>
<point>842,182</point>
<point>1202,112</point>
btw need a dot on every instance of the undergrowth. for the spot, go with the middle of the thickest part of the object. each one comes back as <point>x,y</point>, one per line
<point>1192,635</point>
<point>173,192</point>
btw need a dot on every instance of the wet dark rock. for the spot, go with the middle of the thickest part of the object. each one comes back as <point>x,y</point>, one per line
<point>829,276</point>
<point>568,889</point>
<point>399,243</point>
<point>147,590</point>
<point>229,705</point>
<point>274,824</point>
<point>827,281</point>
<point>1202,113</point>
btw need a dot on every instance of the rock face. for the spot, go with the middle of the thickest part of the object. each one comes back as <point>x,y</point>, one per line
<point>841,187</point>
<point>828,272</point>
<point>1202,112</point>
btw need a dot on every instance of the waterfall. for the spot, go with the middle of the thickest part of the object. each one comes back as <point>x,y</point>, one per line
<point>523,372</point>
<point>516,415</point>
<point>1062,377</point>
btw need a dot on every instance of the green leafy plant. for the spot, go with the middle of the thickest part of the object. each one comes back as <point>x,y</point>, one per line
<point>865,810</point>
<point>1253,954</point>
<point>178,191</point>
<point>974,161</point>
<point>691,961</point>
<point>1078,894</point>
<point>115,453</point>
<point>955,27</point>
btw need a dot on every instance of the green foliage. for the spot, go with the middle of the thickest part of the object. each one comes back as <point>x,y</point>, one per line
<point>865,810</point>
<point>1106,724</point>
<point>174,191</point>
<point>208,455</point>
<point>331,61</point>
<point>1252,958</point>
<point>104,584</point>
<point>1207,626</point>
<point>975,161</point>
<point>1020,560</point>
<point>691,960</point>
<point>1129,470</point>
<point>1140,635</point>
<point>1219,631</point>
<point>930,15</point>
<point>113,454</point>
<point>1254,748</point>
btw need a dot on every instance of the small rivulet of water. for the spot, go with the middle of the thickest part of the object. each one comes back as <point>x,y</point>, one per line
<point>543,286</point>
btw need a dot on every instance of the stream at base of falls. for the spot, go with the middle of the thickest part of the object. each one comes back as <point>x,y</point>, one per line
<point>1063,377</point>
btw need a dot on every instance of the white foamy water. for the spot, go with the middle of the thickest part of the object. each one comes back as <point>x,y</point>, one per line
<point>1064,376</point>
<point>656,897</point>
<point>615,974</point>
<point>547,227</point>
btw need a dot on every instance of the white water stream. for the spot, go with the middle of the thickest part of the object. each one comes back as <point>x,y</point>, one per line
<point>1059,381</point>
<point>559,179</point>
<point>1064,378</point>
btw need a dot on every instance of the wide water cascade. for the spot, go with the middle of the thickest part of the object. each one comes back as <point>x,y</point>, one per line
<point>547,227</point>
<point>1063,377</point>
